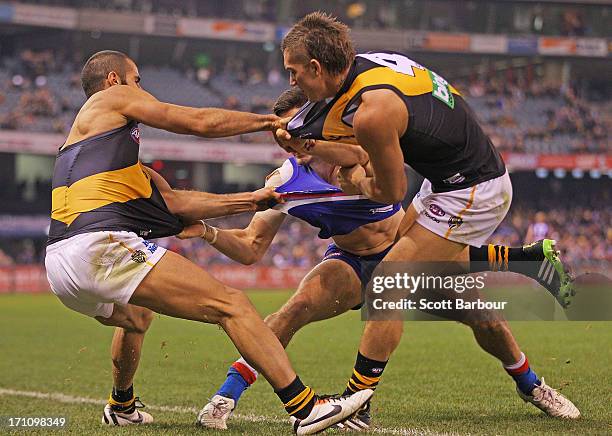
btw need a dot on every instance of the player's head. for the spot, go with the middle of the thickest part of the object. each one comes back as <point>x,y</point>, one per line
<point>108,68</point>
<point>286,105</point>
<point>317,51</point>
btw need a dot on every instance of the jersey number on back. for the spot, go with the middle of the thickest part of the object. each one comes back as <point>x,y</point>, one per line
<point>405,65</point>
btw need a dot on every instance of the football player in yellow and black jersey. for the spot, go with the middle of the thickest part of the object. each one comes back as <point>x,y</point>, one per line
<point>401,112</point>
<point>105,202</point>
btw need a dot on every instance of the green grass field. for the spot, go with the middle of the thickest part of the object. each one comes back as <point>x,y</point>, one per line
<point>438,381</point>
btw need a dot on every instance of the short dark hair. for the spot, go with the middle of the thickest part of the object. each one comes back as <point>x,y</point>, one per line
<point>98,66</point>
<point>323,38</point>
<point>292,98</point>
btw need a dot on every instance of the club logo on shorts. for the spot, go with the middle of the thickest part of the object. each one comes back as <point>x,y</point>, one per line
<point>436,210</point>
<point>135,133</point>
<point>454,222</point>
<point>139,256</point>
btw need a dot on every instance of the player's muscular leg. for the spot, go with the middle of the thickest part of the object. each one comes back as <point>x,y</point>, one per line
<point>178,288</point>
<point>490,329</point>
<point>132,322</point>
<point>380,338</point>
<point>408,220</point>
<point>330,289</point>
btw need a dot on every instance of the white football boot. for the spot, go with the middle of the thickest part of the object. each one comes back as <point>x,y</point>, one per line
<point>115,417</point>
<point>551,402</point>
<point>360,421</point>
<point>216,413</point>
<point>329,411</point>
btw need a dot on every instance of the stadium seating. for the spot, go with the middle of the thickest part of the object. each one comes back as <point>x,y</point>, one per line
<point>531,122</point>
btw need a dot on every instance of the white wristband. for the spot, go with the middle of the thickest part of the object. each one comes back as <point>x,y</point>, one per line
<point>215,235</point>
<point>214,231</point>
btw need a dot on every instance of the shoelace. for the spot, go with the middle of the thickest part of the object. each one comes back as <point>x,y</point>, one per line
<point>219,407</point>
<point>327,396</point>
<point>550,396</point>
<point>332,398</point>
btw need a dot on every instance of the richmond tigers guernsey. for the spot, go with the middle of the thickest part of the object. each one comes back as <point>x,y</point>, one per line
<point>443,141</point>
<point>99,184</point>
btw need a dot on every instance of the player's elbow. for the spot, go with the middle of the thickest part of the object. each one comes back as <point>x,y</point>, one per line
<point>249,259</point>
<point>401,194</point>
<point>390,196</point>
<point>252,253</point>
<point>176,202</point>
<point>397,196</point>
<point>362,156</point>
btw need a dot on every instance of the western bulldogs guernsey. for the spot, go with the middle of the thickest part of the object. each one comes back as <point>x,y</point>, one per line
<point>443,142</point>
<point>323,205</point>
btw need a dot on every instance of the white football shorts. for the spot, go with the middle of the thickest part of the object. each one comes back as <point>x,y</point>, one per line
<point>91,272</point>
<point>470,215</point>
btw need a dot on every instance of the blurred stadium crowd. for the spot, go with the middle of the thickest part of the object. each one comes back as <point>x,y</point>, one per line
<point>437,15</point>
<point>40,92</point>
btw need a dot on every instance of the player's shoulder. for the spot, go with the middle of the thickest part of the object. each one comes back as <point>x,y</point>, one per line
<point>120,95</point>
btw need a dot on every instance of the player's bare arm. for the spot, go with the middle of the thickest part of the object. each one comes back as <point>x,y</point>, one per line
<point>388,182</point>
<point>335,153</point>
<point>246,246</point>
<point>137,104</point>
<point>192,206</point>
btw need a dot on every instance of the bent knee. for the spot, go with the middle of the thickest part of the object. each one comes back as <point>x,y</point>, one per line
<point>142,320</point>
<point>293,315</point>
<point>234,304</point>
<point>138,320</point>
<point>297,307</point>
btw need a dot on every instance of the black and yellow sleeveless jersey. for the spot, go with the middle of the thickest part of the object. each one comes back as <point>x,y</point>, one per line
<point>99,184</point>
<point>443,141</point>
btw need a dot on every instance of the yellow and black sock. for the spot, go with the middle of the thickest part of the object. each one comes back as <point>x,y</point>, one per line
<point>297,399</point>
<point>366,374</point>
<point>122,400</point>
<point>499,258</point>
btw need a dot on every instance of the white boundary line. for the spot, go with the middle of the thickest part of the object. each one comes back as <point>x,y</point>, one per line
<point>63,398</point>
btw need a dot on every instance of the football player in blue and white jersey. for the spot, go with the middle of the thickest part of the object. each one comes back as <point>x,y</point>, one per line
<point>363,232</point>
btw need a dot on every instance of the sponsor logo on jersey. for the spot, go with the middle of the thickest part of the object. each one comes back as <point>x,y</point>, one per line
<point>135,133</point>
<point>139,256</point>
<point>457,178</point>
<point>454,222</point>
<point>431,217</point>
<point>436,210</point>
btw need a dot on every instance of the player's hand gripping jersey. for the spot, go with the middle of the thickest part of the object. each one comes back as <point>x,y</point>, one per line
<point>443,141</point>
<point>323,205</point>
